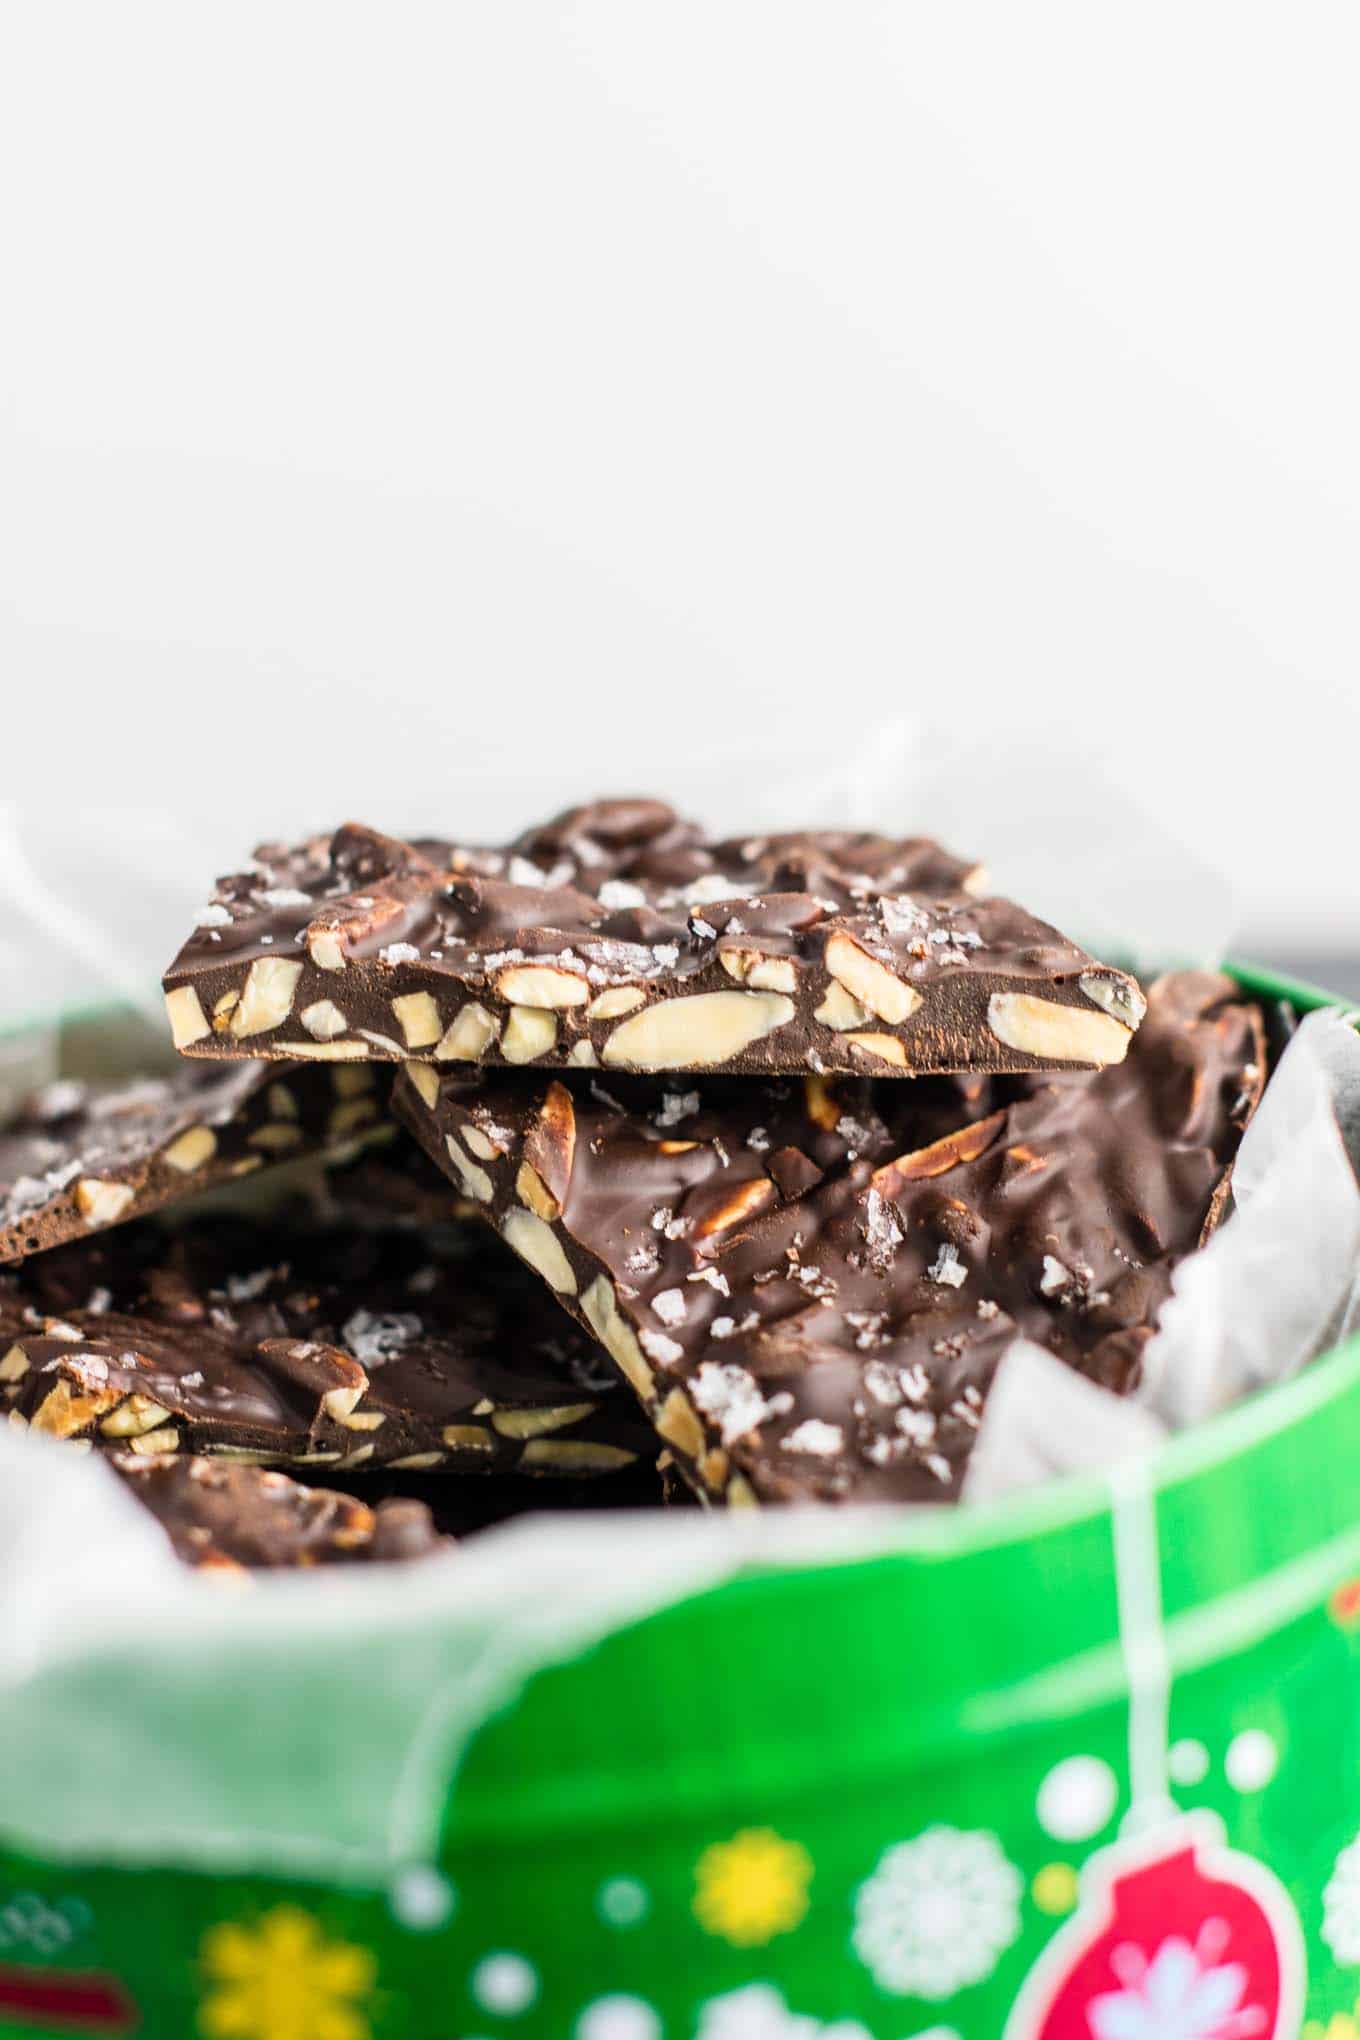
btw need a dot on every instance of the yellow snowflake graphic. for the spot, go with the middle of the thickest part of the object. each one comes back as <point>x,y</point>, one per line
<point>1340,2027</point>
<point>753,1887</point>
<point>281,1979</point>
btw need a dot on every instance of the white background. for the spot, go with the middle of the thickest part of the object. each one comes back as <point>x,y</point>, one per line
<point>410,410</point>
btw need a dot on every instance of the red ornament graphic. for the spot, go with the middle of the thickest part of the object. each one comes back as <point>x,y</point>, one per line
<point>1177,1938</point>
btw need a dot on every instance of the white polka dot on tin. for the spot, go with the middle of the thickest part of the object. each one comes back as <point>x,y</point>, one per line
<point>421,1898</point>
<point>618,2018</point>
<point>1077,1799</point>
<point>622,1902</point>
<point>505,1983</point>
<point>1252,1760</point>
<point>1187,1762</point>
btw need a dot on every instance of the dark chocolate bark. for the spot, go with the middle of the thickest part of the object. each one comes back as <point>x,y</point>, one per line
<point>618,937</point>
<point>810,1286</point>
<point>78,1157</point>
<point>334,1346</point>
<point>229,1518</point>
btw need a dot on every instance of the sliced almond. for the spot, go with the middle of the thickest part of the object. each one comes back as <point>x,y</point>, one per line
<point>1053,1033</point>
<point>349,1083</point>
<point>529,1033</point>
<point>886,1047</point>
<point>266,996</point>
<point>616,1335</point>
<point>535,1242</point>
<point>137,1414</point>
<point>841,1009</point>
<point>978,882</point>
<point>188,1022</point>
<point>465,1438</point>
<point>745,1202</point>
<point>550,1147</point>
<point>418,1018</point>
<point>225,1004</point>
<point>195,1146</point>
<point>740,1493</point>
<point>713,1469</point>
<point>101,1203</point>
<point>964,1145</point>
<point>695,1033</point>
<point>323,1020</point>
<point>533,1423</point>
<point>822,1108</point>
<point>339,1402</point>
<point>1121,999</point>
<point>385,1042</point>
<point>468,1035</point>
<point>323,946</point>
<point>870,981</point>
<point>417,1462</point>
<point>363,1420</point>
<point>356,1112</point>
<point>583,1056</point>
<point>424,1080</point>
<point>481,1143</point>
<point>277,1137</point>
<point>762,973</point>
<point>14,1365</point>
<point>325,1051</point>
<point>542,985</point>
<point>618,1000</point>
<point>475,1181</point>
<point>153,1442</point>
<point>574,1455</point>
<point>676,1422</point>
<point>533,1191</point>
<point>282,1103</point>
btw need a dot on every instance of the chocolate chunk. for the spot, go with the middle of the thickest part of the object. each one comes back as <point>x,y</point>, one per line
<point>618,936</point>
<point>78,1157</point>
<point>225,1518</point>
<point>333,1346</point>
<point>840,1342</point>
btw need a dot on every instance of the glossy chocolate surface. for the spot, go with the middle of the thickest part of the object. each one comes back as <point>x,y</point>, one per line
<point>618,936</point>
<point>810,1283</point>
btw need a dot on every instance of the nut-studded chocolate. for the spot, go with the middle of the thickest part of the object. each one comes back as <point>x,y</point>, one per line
<point>618,936</point>
<point>809,1287</point>
<point>341,1346</point>
<point>77,1157</point>
<point>232,1518</point>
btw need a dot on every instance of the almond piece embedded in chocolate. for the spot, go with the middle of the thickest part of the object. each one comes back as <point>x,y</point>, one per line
<point>696,1033</point>
<point>869,981</point>
<point>1054,1033</point>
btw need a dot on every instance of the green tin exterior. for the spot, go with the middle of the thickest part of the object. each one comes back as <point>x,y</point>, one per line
<point>696,1806</point>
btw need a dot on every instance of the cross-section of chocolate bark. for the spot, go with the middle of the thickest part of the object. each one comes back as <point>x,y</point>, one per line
<point>78,1157</point>
<point>810,1286</point>
<point>230,1518</point>
<point>332,1346</point>
<point>617,936</point>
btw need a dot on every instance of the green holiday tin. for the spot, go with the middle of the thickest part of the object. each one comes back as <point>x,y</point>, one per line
<point>1083,1765</point>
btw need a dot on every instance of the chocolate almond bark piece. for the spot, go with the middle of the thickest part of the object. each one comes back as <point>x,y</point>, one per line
<point>810,1288</point>
<point>627,941</point>
<point>225,1517</point>
<point>78,1157</point>
<point>343,1347</point>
